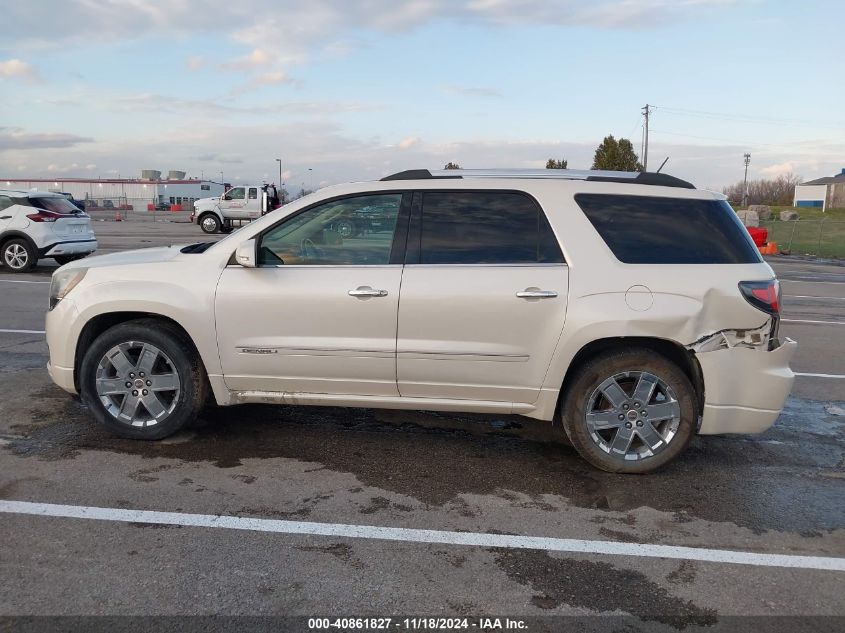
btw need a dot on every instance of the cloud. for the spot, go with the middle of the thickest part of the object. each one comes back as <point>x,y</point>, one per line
<point>283,32</point>
<point>174,105</point>
<point>195,62</point>
<point>258,57</point>
<point>472,91</point>
<point>220,158</point>
<point>16,69</point>
<point>407,143</point>
<point>16,139</point>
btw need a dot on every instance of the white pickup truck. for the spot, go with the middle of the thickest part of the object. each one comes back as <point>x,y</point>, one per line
<point>237,205</point>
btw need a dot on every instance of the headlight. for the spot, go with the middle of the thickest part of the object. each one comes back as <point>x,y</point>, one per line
<point>63,282</point>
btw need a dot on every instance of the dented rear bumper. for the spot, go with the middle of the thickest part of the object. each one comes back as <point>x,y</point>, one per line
<point>745,389</point>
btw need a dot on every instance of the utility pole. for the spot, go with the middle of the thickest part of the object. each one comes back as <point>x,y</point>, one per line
<point>310,179</point>
<point>646,113</point>
<point>747,158</point>
<point>279,160</point>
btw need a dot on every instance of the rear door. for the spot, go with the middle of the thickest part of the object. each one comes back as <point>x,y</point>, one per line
<point>6,211</point>
<point>483,298</point>
<point>253,202</point>
<point>70,224</point>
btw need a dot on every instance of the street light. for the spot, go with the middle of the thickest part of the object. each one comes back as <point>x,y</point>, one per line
<point>279,160</point>
<point>310,179</point>
<point>747,158</point>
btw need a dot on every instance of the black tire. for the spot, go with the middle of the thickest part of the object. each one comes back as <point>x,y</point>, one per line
<point>625,366</point>
<point>209,223</point>
<point>61,260</point>
<point>18,255</point>
<point>179,350</point>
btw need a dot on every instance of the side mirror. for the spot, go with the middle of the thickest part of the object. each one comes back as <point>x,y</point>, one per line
<point>225,197</point>
<point>245,255</point>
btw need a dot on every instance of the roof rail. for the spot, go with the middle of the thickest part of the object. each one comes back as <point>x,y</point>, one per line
<point>631,177</point>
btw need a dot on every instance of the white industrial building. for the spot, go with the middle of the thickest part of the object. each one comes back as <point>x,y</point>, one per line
<point>137,193</point>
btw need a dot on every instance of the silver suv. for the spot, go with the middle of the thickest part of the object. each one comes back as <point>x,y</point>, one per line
<point>629,309</point>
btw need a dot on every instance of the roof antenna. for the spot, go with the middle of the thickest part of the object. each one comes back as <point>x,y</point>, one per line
<point>661,165</point>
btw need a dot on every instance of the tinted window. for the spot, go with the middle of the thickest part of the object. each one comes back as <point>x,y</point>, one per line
<point>485,228</point>
<point>651,230</point>
<point>253,193</point>
<point>56,204</point>
<point>5,202</point>
<point>235,194</point>
<point>348,231</point>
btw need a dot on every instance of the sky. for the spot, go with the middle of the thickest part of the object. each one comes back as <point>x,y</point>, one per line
<point>346,90</point>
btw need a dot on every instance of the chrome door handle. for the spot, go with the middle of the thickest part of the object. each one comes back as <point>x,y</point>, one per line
<point>366,291</point>
<point>528,293</point>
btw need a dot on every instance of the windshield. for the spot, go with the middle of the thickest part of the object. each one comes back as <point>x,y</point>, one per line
<point>56,204</point>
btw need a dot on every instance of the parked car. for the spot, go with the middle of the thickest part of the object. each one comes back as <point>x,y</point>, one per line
<point>38,225</point>
<point>579,298</point>
<point>108,205</point>
<point>238,205</point>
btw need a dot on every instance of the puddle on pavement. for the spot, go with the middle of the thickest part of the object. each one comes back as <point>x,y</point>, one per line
<point>600,587</point>
<point>435,458</point>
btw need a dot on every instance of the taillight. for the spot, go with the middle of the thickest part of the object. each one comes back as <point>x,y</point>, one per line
<point>44,216</point>
<point>763,295</point>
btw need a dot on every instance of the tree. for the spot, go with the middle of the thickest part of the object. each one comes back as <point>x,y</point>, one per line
<point>616,155</point>
<point>776,191</point>
<point>556,164</point>
<point>451,165</point>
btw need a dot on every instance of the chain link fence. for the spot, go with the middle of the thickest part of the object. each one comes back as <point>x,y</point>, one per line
<point>820,238</point>
<point>138,209</point>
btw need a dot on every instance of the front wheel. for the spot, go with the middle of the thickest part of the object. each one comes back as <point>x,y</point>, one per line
<point>629,411</point>
<point>209,223</point>
<point>142,380</point>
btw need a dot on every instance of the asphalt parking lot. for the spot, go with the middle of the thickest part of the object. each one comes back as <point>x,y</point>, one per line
<point>470,478</point>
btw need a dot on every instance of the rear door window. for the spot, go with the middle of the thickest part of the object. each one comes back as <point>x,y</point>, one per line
<point>657,230</point>
<point>56,204</point>
<point>488,227</point>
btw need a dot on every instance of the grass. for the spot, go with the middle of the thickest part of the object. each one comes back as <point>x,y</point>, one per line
<point>815,233</point>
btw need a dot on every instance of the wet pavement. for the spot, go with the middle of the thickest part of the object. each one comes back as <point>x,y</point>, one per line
<point>779,493</point>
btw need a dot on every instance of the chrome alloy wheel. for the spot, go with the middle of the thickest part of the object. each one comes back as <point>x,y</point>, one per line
<point>15,256</point>
<point>633,415</point>
<point>137,383</point>
<point>209,224</point>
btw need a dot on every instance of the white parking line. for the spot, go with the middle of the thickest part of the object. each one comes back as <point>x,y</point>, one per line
<point>821,375</point>
<point>410,535</point>
<point>22,281</point>
<point>808,281</point>
<point>813,297</point>
<point>22,331</point>
<point>808,321</point>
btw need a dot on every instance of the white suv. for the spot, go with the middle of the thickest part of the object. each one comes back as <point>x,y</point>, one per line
<point>631,309</point>
<point>36,225</point>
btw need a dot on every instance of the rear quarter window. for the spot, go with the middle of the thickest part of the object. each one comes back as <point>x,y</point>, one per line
<point>658,230</point>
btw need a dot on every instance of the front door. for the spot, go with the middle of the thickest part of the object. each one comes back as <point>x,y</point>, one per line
<point>318,313</point>
<point>233,203</point>
<point>483,298</point>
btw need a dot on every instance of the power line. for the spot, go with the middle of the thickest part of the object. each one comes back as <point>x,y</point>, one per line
<point>749,118</point>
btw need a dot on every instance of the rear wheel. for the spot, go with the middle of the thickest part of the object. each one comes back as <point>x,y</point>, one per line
<point>629,411</point>
<point>18,255</point>
<point>209,223</point>
<point>142,380</point>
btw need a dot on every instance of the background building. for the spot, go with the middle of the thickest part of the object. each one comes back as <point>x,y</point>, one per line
<point>129,194</point>
<point>827,193</point>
